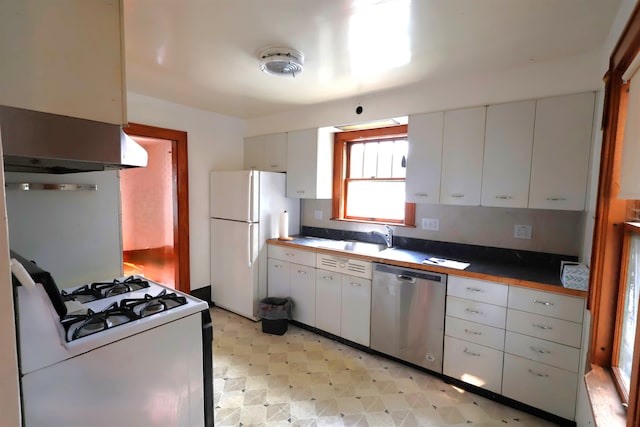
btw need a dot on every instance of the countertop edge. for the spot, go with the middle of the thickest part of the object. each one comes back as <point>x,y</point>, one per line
<point>500,279</point>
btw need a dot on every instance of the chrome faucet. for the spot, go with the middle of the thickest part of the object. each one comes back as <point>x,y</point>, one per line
<point>388,236</point>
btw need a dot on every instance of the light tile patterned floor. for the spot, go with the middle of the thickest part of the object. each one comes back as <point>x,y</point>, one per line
<point>304,379</point>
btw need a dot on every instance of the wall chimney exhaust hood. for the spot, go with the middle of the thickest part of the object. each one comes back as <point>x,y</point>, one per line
<point>39,142</point>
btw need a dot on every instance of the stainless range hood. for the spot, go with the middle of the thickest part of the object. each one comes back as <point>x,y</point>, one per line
<point>49,143</point>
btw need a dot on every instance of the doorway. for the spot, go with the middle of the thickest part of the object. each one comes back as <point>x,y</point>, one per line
<point>155,218</point>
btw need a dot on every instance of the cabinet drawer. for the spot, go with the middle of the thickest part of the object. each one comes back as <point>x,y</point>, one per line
<point>296,256</point>
<point>547,328</point>
<point>554,354</point>
<point>546,303</point>
<point>479,312</point>
<point>542,386</point>
<point>341,264</point>
<point>472,363</point>
<point>475,332</point>
<point>478,290</point>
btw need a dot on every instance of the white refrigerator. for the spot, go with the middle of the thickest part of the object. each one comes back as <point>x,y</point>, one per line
<point>245,209</point>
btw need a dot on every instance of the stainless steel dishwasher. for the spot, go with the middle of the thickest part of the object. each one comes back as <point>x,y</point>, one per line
<point>407,315</point>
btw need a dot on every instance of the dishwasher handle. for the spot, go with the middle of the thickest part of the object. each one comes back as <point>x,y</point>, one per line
<point>406,278</point>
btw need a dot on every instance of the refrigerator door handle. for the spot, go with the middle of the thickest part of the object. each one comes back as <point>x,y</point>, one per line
<point>250,245</point>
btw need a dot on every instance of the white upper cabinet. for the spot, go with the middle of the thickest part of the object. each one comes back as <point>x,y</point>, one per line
<point>424,158</point>
<point>561,147</point>
<point>266,152</point>
<point>64,57</point>
<point>507,154</point>
<point>462,152</point>
<point>310,164</point>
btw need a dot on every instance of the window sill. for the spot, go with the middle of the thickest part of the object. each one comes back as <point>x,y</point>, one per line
<point>603,398</point>
<point>360,221</point>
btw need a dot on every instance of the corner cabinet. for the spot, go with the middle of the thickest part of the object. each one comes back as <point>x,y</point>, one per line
<point>51,62</point>
<point>424,158</point>
<point>266,152</point>
<point>561,148</point>
<point>310,164</point>
<point>507,154</point>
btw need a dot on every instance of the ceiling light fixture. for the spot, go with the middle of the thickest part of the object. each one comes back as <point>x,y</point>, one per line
<point>281,61</point>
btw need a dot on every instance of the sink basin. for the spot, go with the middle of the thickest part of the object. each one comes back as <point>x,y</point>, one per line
<point>353,246</point>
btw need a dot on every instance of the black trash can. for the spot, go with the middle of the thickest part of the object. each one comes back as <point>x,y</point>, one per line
<point>275,313</point>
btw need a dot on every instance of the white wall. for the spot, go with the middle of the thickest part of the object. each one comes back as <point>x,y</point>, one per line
<point>567,75</point>
<point>214,142</point>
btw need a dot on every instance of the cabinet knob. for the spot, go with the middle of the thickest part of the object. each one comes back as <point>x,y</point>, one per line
<point>543,327</point>
<point>471,353</point>
<point>538,374</point>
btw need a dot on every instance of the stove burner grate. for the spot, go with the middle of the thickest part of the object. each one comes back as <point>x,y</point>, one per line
<point>81,325</point>
<point>100,290</point>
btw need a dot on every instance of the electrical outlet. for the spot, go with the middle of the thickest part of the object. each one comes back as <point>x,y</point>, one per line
<point>317,215</point>
<point>522,231</point>
<point>431,224</point>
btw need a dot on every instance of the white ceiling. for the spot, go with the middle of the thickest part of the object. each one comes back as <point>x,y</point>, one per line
<point>203,53</point>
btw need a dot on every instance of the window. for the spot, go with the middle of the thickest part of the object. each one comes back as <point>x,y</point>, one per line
<point>626,320</point>
<point>369,176</point>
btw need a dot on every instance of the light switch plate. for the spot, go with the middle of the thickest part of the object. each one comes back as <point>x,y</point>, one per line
<point>431,224</point>
<point>317,214</point>
<point>522,231</point>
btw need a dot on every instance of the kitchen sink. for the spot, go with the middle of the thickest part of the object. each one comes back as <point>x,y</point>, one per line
<point>353,246</point>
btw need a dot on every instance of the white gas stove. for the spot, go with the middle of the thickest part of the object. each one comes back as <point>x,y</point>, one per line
<point>125,351</point>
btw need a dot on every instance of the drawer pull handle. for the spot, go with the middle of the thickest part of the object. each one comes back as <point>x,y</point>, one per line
<point>274,166</point>
<point>546,303</point>
<point>277,266</point>
<point>289,254</point>
<point>504,197</point>
<point>469,331</point>
<point>556,199</point>
<point>421,194</point>
<point>538,374</point>
<point>326,277</point>
<point>540,350</point>
<point>468,310</point>
<point>471,353</point>
<point>300,191</point>
<point>475,290</point>
<point>357,285</point>
<point>302,272</point>
<point>457,195</point>
<point>539,326</point>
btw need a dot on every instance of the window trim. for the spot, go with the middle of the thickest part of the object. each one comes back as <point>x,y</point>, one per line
<point>340,168</point>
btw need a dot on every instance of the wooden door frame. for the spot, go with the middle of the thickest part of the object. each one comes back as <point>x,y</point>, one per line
<point>180,177</point>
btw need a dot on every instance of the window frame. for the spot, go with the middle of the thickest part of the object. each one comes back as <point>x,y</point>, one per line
<point>340,170</point>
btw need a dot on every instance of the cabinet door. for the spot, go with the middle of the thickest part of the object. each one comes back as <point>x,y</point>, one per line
<point>278,278</point>
<point>254,152</point>
<point>507,154</point>
<point>302,287</point>
<point>462,151</point>
<point>52,61</point>
<point>561,146</point>
<point>356,309</point>
<point>532,382</point>
<point>473,363</point>
<point>328,301</point>
<point>301,164</point>
<point>424,158</point>
<point>275,152</point>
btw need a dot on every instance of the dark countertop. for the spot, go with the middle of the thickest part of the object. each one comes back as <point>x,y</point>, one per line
<point>522,269</point>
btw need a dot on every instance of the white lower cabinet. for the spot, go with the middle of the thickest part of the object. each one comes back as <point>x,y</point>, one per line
<point>356,309</point>
<point>343,301</point>
<point>303,293</point>
<point>473,363</point>
<point>328,301</point>
<point>542,386</point>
